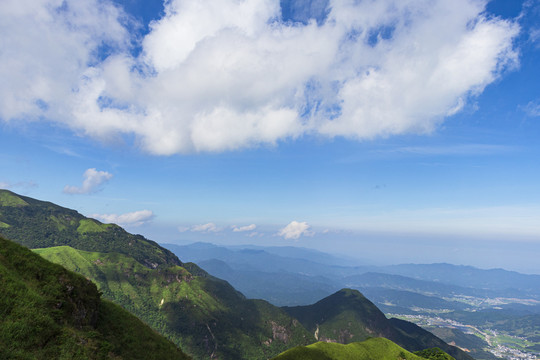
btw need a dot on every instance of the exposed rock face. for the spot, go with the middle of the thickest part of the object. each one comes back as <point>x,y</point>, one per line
<point>280,332</point>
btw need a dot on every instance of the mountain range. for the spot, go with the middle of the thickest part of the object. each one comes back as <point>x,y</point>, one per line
<point>202,314</point>
<point>469,301</point>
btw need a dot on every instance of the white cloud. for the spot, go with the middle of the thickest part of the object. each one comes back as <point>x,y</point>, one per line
<point>209,227</point>
<point>224,75</point>
<point>183,229</point>
<point>20,184</point>
<point>295,229</point>
<point>47,45</point>
<point>91,183</point>
<point>532,108</point>
<point>135,218</point>
<point>244,228</point>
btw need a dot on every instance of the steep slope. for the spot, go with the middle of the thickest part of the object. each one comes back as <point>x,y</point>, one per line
<point>371,349</point>
<point>347,316</point>
<point>206,316</point>
<point>47,312</point>
<point>38,224</point>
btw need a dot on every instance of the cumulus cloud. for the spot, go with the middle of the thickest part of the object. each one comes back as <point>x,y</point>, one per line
<point>93,179</point>
<point>224,75</point>
<point>295,229</point>
<point>209,227</point>
<point>244,228</point>
<point>135,218</point>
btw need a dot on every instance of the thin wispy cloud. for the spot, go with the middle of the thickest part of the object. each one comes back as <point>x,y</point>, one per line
<point>135,218</point>
<point>244,228</point>
<point>93,180</point>
<point>532,108</point>
<point>19,184</point>
<point>216,76</point>
<point>202,228</point>
<point>453,150</point>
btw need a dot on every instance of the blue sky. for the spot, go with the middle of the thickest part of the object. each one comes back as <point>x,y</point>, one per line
<point>391,131</point>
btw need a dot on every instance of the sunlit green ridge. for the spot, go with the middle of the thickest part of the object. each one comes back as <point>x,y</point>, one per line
<point>370,349</point>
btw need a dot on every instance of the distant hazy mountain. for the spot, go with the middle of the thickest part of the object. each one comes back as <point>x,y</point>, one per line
<point>256,265</point>
<point>468,276</point>
<point>267,259</point>
<point>279,288</point>
<point>48,312</point>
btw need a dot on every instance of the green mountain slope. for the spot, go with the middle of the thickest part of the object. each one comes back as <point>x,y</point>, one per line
<point>347,316</point>
<point>371,349</point>
<point>205,316</point>
<point>48,312</point>
<point>38,224</point>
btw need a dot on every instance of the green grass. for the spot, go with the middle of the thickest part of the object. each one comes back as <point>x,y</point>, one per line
<point>10,199</point>
<point>434,354</point>
<point>48,312</point>
<point>91,226</point>
<point>3,225</point>
<point>371,349</point>
<point>201,314</point>
<point>59,223</point>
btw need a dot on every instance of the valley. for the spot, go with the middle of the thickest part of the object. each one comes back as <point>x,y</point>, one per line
<point>500,344</point>
<point>493,314</point>
<point>255,303</point>
<point>202,314</point>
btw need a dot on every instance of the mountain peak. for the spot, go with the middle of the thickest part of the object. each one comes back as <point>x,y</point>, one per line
<point>348,316</point>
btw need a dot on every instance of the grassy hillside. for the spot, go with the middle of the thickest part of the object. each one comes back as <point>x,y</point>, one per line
<point>48,312</point>
<point>38,224</point>
<point>371,349</point>
<point>202,314</point>
<point>347,316</point>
